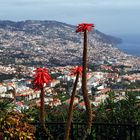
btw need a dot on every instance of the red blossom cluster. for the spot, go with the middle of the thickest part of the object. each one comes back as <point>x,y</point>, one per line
<point>41,77</point>
<point>84,27</point>
<point>77,69</point>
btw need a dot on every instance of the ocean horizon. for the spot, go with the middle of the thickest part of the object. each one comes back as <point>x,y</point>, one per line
<point>130,45</point>
<point>130,48</point>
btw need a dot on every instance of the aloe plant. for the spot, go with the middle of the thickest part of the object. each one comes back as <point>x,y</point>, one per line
<point>76,71</point>
<point>41,78</point>
<point>85,28</point>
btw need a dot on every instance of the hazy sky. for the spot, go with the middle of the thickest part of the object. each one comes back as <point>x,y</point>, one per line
<point>109,16</point>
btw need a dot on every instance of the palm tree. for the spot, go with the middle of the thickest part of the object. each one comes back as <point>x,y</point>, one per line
<point>41,78</point>
<point>76,71</point>
<point>85,28</point>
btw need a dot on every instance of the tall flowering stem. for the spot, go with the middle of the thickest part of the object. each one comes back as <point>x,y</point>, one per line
<point>85,28</point>
<point>41,78</point>
<point>76,71</point>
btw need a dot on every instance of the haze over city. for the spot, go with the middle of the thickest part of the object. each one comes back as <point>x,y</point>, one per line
<point>111,17</point>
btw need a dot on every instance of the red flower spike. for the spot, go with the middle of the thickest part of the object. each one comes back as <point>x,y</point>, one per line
<point>41,77</point>
<point>77,69</point>
<point>84,27</point>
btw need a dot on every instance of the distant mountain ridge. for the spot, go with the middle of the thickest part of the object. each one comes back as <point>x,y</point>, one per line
<point>35,42</point>
<point>32,25</point>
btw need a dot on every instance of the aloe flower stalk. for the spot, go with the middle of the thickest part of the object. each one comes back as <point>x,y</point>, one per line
<point>76,71</point>
<point>41,79</point>
<point>85,28</point>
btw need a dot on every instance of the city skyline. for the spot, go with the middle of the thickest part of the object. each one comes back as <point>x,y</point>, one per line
<point>118,17</point>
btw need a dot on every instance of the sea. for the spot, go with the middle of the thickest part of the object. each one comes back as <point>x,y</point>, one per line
<point>130,44</point>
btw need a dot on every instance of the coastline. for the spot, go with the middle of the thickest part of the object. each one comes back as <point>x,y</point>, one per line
<point>130,44</point>
<point>130,48</point>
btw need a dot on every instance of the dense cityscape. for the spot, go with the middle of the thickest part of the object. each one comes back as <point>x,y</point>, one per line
<point>105,78</point>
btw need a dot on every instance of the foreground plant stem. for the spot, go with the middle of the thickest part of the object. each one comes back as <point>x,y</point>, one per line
<point>70,113</point>
<point>84,86</point>
<point>42,115</point>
